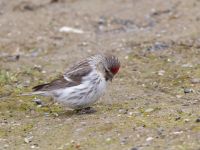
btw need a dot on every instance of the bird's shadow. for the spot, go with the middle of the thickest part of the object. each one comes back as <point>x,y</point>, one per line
<point>70,113</point>
<point>57,110</point>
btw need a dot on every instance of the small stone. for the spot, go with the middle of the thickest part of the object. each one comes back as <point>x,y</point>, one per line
<point>124,140</point>
<point>126,57</point>
<point>177,132</point>
<point>13,58</point>
<point>83,123</point>
<point>149,110</point>
<point>61,147</point>
<point>198,120</point>
<point>195,80</point>
<point>158,46</point>
<point>178,96</point>
<point>67,29</point>
<point>149,139</point>
<point>108,140</point>
<point>54,1</point>
<point>39,106</point>
<point>78,146</point>
<point>185,104</point>
<point>33,146</point>
<point>123,111</point>
<point>46,114</point>
<point>160,131</point>
<point>169,60</point>
<point>161,72</point>
<point>72,141</point>
<point>26,140</point>
<point>187,65</point>
<point>130,113</point>
<point>188,90</point>
<point>37,67</point>
<point>134,148</point>
<point>177,118</point>
<point>55,114</point>
<point>187,120</point>
<point>6,145</point>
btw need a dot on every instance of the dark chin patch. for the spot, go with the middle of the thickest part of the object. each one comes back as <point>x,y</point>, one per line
<point>114,70</point>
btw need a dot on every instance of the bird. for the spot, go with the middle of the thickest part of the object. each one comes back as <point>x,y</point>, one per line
<point>83,83</point>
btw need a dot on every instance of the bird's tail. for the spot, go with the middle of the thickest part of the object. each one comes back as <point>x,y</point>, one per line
<point>40,87</point>
<point>33,93</point>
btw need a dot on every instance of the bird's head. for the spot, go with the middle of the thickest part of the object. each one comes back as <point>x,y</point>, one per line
<point>112,66</point>
<point>108,65</point>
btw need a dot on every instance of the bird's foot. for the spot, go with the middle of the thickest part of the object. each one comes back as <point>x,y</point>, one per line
<point>87,110</point>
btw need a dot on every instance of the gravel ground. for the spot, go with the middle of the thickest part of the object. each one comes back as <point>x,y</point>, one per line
<point>153,103</point>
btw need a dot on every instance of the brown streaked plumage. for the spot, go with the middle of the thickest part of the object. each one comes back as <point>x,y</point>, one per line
<point>74,74</point>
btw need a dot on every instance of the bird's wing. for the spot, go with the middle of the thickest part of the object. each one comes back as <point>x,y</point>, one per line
<point>72,77</point>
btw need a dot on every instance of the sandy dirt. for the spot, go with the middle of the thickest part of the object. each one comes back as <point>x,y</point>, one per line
<point>153,102</point>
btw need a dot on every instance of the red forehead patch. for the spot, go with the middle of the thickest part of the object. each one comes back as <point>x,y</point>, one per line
<point>114,70</point>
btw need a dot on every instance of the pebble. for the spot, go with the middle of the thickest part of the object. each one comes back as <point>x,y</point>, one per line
<point>124,140</point>
<point>13,58</point>
<point>134,148</point>
<point>177,132</point>
<point>123,111</point>
<point>67,29</point>
<point>108,140</point>
<point>187,65</point>
<point>188,90</point>
<point>83,123</point>
<point>46,114</point>
<point>126,57</point>
<point>178,96</point>
<point>161,72</point>
<point>158,46</point>
<point>37,67</point>
<point>130,113</point>
<point>33,146</point>
<point>198,120</point>
<point>28,139</point>
<point>187,120</point>
<point>149,110</point>
<point>149,139</point>
<point>195,80</point>
<point>177,118</point>
<point>160,131</point>
<point>78,146</point>
<point>72,142</point>
<point>61,147</point>
<point>6,145</point>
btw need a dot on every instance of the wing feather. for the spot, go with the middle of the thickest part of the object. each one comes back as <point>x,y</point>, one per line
<point>72,77</point>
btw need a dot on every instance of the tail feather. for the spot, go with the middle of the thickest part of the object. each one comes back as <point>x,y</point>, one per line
<point>34,93</point>
<point>39,87</point>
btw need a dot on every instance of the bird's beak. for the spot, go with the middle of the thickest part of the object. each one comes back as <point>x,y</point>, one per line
<point>109,76</point>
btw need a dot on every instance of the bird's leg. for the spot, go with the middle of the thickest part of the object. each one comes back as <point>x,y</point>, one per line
<point>87,110</point>
<point>90,110</point>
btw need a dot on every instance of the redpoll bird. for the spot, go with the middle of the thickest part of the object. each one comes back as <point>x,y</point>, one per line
<point>83,84</point>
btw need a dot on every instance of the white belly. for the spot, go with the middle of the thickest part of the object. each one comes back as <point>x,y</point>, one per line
<point>85,94</point>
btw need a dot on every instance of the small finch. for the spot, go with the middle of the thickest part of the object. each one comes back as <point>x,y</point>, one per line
<point>82,84</point>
